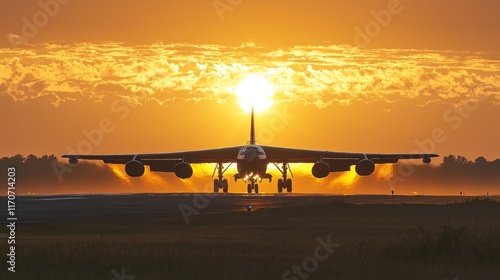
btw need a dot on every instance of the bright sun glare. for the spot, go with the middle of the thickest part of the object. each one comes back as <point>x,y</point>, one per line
<point>255,91</point>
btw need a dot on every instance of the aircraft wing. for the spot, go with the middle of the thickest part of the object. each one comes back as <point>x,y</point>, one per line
<point>278,154</point>
<point>274,154</point>
<point>338,161</point>
<point>160,159</point>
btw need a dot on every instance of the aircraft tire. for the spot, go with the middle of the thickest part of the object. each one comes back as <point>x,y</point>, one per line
<point>280,185</point>
<point>288,185</point>
<point>216,185</point>
<point>225,185</point>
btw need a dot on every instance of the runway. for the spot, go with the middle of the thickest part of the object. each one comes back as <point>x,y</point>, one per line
<point>104,207</point>
<point>137,206</point>
<point>89,236</point>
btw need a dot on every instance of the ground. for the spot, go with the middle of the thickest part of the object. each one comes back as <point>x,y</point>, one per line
<point>205,236</point>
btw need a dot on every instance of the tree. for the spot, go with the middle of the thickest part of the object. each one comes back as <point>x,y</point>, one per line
<point>448,161</point>
<point>482,161</point>
<point>455,161</point>
<point>461,160</point>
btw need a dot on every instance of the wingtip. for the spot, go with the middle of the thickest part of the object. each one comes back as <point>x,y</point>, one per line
<point>70,156</point>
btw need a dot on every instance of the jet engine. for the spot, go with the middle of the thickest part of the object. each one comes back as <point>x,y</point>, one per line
<point>320,169</point>
<point>365,167</point>
<point>134,168</point>
<point>73,161</point>
<point>183,170</point>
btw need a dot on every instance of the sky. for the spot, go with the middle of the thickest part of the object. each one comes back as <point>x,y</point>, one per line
<point>126,76</point>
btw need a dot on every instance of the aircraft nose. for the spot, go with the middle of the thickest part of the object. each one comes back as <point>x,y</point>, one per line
<point>250,156</point>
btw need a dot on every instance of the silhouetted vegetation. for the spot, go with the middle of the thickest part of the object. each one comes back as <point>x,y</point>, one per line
<point>458,173</point>
<point>449,244</point>
<point>455,173</point>
<point>480,168</point>
<point>34,174</point>
<point>480,201</point>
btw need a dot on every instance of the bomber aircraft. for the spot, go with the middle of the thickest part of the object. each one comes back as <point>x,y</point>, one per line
<point>252,162</point>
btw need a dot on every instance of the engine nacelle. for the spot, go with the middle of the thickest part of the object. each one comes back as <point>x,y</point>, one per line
<point>73,161</point>
<point>320,169</point>
<point>134,168</point>
<point>426,160</point>
<point>365,167</point>
<point>183,170</point>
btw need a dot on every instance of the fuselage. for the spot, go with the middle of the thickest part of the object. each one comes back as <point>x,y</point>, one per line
<point>251,162</point>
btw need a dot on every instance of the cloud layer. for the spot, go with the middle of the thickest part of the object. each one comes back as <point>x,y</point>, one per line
<point>320,75</point>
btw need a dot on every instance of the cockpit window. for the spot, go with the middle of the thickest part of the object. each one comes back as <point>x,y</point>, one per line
<point>260,151</point>
<point>247,149</point>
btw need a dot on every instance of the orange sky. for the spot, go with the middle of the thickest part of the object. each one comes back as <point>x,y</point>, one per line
<point>162,75</point>
<point>444,24</point>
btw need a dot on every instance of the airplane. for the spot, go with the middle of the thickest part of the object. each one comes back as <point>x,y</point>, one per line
<point>252,161</point>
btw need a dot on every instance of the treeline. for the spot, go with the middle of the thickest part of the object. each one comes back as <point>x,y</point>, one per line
<point>460,162</point>
<point>50,174</point>
<point>458,168</point>
<point>51,168</point>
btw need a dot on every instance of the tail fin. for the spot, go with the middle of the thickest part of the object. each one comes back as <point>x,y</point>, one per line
<point>252,131</point>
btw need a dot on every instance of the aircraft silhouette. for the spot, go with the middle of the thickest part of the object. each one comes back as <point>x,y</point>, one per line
<point>252,161</point>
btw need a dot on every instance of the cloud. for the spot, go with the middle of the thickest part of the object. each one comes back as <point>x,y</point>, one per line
<point>319,75</point>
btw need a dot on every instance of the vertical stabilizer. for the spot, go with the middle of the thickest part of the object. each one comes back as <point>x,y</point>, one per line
<point>252,131</point>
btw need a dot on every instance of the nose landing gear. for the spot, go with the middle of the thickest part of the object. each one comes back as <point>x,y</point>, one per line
<point>253,180</point>
<point>253,186</point>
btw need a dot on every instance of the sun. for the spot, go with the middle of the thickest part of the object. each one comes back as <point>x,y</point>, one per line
<point>255,91</point>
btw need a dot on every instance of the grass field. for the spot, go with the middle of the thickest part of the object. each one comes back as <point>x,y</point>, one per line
<point>377,241</point>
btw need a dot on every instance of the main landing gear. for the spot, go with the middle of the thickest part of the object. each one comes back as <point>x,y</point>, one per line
<point>220,183</point>
<point>285,183</point>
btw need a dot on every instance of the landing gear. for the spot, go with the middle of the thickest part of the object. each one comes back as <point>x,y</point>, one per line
<point>253,186</point>
<point>220,183</point>
<point>252,180</point>
<point>285,183</point>
<point>288,185</point>
<point>225,185</point>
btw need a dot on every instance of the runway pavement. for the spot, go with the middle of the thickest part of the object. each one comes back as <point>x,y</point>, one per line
<point>103,207</point>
